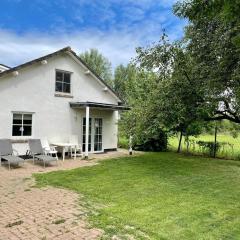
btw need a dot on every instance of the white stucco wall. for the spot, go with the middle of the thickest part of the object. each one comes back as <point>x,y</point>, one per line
<point>33,90</point>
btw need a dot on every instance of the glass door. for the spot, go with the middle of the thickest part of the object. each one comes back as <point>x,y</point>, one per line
<point>89,135</point>
<point>98,134</point>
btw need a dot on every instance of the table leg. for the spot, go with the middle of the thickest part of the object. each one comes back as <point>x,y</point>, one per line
<point>63,154</point>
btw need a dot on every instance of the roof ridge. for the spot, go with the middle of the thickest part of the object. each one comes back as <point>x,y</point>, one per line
<point>1,64</point>
<point>65,49</point>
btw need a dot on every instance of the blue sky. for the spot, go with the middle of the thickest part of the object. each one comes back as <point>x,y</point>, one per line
<point>31,28</point>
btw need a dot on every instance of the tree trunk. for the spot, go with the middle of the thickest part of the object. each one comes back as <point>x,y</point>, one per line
<point>180,142</point>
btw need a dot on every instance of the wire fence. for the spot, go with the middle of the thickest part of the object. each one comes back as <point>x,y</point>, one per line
<point>227,146</point>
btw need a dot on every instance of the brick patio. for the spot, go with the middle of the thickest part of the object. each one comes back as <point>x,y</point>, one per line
<point>48,213</point>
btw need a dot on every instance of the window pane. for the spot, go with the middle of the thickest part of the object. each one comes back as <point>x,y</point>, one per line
<point>17,118</point>
<point>59,87</point>
<point>66,88</point>
<point>27,130</point>
<point>59,76</point>
<point>16,130</point>
<point>27,119</point>
<point>67,78</point>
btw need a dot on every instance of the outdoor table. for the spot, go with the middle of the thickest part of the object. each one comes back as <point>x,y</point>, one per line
<point>65,146</point>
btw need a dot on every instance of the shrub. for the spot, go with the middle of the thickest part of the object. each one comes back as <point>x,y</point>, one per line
<point>153,144</point>
<point>209,147</point>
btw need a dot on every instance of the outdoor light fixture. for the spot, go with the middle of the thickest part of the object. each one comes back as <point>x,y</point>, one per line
<point>87,72</point>
<point>15,73</point>
<point>44,62</point>
<point>105,89</point>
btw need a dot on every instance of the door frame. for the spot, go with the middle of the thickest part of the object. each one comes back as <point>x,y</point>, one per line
<point>92,133</point>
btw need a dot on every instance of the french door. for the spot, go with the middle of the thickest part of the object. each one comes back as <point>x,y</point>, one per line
<point>95,135</point>
<point>89,135</point>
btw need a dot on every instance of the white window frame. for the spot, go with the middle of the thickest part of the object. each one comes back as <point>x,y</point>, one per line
<point>64,72</point>
<point>22,113</point>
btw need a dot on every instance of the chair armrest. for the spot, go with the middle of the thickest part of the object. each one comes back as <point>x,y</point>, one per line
<point>53,148</point>
<point>45,151</point>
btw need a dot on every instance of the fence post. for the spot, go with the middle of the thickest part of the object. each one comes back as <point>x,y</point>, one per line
<point>215,142</point>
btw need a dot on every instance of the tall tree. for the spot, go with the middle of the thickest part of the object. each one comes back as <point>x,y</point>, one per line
<point>124,80</point>
<point>176,97</point>
<point>99,64</point>
<point>211,39</point>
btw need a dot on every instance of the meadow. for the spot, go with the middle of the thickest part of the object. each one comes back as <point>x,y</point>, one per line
<point>230,146</point>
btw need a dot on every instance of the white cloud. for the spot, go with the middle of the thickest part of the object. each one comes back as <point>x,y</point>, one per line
<point>16,49</point>
<point>117,42</point>
<point>117,46</point>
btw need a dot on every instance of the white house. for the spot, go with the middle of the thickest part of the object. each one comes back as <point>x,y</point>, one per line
<point>57,96</point>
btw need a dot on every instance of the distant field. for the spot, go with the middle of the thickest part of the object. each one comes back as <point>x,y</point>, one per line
<point>231,148</point>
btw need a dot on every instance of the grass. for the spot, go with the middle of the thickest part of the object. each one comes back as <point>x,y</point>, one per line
<point>228,151</point>
<point>158,196</point>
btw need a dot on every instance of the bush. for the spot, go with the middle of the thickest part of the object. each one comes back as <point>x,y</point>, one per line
<point>123,143</point>
<point>209,147</point>
<point>154,144</point>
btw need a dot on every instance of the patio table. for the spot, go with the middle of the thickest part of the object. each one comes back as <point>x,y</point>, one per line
<point>65,146</point>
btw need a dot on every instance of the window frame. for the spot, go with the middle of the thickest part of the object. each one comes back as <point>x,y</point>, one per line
<point>62,82</point>
<point>22,124</point>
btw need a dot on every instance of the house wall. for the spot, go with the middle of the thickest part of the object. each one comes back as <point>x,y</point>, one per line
<point>33,90</point>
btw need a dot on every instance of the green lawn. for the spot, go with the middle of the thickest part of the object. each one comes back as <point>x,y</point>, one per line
<point>159,195</point>
<point>228,151</point>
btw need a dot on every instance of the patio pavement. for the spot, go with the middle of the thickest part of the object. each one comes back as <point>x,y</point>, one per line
<point>28,213</point>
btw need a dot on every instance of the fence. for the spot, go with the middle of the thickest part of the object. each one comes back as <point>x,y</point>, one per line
<point>227,146</point>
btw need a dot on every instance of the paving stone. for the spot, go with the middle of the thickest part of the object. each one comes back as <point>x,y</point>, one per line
<point>31,213</point>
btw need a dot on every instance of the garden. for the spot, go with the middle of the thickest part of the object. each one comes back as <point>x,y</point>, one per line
<point>157,196</point>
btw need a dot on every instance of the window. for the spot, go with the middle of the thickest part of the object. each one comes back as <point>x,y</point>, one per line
<point>22,124</point>
<point>63,82</point>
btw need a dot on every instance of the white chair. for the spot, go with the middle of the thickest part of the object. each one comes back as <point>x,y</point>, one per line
<point>73,139</point>
<point>49,150</point>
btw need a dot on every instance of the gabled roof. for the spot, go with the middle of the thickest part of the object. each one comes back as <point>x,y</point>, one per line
<point>70,52</point>
<point>4,65</point>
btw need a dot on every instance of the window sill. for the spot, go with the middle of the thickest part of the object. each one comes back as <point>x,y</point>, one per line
<point>65,95</point>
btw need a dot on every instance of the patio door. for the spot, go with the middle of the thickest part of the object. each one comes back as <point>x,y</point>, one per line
<point>95,135</point>
<point>98,135</point>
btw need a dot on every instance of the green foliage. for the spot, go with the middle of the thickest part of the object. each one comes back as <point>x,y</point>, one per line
<point>157,143</point>
<point>141,121</point>
<point>175,97</point>
<point>99,64</point>
<point>209,147</point>
<point>210,39</point>
<point>125,80</point>
<point>229,147</point>
<point>123,143</point>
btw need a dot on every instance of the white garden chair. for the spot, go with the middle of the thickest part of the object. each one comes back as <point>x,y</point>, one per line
<point>49,150</point>
<point>73,139</point>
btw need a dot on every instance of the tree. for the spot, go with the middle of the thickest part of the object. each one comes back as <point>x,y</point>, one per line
<point>226,11</point>
<point>125,80</point>
<point>176,97</point>
<point>99,64</point>
<point>140,122</point>
<point>211,41</point>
